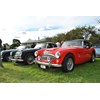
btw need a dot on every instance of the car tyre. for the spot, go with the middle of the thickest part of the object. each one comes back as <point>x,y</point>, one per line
<point>92,58</point>
<point>68,63</point>
<point>29,59</point>
<point>7,58</point>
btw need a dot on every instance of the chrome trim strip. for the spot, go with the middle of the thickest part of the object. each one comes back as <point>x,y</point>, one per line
<point>21,60</point>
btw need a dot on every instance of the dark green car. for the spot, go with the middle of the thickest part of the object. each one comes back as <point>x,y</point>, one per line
<point>5,54</point>
<point>27,55</point>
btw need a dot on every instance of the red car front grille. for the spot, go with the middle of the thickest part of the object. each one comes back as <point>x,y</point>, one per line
<point>48,57</point>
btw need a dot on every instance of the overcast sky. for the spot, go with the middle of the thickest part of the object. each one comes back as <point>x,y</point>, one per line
<point>32,27</point>
<point>26,19</point>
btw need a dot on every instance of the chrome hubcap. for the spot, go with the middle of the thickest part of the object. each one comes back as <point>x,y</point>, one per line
<point>30,60</point>
<point>70,64</point>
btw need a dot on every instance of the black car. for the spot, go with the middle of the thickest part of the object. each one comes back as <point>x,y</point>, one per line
<point>5,54</point>
<point>27,55</point>
<point>97,49</point>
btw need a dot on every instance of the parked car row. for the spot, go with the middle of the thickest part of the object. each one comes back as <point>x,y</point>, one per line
<point>27,55</point>
<point>48,54</point>
<point>5,54</point>
<point>24,53</point>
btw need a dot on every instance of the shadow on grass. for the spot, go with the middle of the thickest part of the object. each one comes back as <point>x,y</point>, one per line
<point>52,70</point>
<point>77,67</point>
<point>20,64</point>
<point>88,63</point>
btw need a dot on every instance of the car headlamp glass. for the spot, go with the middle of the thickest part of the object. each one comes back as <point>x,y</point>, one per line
<point>36,53</point>
<point>1,52</point>
<point>57,54</point>
<point>19,53</point>
<point>10,53</point>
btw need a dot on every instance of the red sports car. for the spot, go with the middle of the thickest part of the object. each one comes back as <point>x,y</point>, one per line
<point>69,54</point>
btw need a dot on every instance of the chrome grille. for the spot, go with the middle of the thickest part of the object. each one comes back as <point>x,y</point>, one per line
<point>46,57</point>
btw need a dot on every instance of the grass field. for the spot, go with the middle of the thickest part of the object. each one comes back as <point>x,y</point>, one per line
<point>85,73</point>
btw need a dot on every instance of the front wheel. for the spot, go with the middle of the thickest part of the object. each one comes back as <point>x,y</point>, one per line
<point>7,58</point>
<point>68,64</point>
<point>92,57</point>
<point>29,59</point>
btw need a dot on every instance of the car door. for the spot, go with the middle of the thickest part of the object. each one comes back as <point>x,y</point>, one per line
<point>86,51</point>
<point>83,53</point>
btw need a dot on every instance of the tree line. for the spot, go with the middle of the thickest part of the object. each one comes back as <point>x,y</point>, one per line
<point>77,33</point>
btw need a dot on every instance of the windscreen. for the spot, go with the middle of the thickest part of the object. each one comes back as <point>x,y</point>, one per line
<point>72,43</point>
<point>40,45</point>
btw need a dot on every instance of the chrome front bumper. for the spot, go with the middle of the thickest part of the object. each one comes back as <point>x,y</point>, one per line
<point>15,60</point>
<point>48,64</point>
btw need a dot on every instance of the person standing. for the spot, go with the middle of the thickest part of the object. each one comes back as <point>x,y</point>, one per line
<point>4,46</point>
<point>33,45</point>
<point>1,65</point>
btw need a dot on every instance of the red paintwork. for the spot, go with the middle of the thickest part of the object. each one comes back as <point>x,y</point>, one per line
<point>80,54</point>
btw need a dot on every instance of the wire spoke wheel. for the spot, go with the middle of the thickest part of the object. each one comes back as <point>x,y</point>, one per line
<point>68,63</point>
<point>29,59</point>
<point>92,57</point>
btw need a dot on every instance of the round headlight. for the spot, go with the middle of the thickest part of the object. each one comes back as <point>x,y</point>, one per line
<point>18,53</point>
<point>36,53</point>
<point>57,54</point>
<point>10,53</point>
<point>1,53</point>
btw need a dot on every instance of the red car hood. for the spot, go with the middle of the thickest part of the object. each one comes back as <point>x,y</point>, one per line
<point>60,49</point>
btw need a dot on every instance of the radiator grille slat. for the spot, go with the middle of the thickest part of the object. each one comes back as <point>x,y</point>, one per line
<point>46,57</point>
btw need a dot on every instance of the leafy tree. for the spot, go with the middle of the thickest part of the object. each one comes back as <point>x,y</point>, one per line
<point>95,39</point>
<point>77,33</point>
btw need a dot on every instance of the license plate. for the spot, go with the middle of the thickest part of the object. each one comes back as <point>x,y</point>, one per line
<point>43,66</point>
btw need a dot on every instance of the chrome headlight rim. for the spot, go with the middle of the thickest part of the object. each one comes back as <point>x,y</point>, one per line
<point>36,53</point>
<point>10,53</point>
<point>1,53</point>
<point>57,54</point>
<point>19,53</point>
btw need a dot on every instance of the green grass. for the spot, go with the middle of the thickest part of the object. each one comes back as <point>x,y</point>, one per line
<point>85,73</point>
